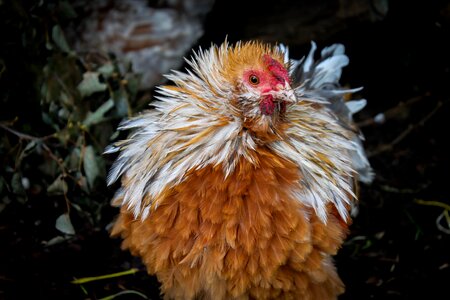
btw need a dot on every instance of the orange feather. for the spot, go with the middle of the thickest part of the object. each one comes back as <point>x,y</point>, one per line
<point>217,236</point>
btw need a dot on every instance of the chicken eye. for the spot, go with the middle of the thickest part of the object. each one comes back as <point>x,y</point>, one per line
<point>253,79</point>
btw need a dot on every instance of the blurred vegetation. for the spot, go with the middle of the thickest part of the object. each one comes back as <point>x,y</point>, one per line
<point>60,111</point>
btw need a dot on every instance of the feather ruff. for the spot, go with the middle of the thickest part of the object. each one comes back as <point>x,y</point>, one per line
<point>194,126</point>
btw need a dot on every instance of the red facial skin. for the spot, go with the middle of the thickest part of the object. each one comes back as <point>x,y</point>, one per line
<point>278,71</point>
<point>270,79</point>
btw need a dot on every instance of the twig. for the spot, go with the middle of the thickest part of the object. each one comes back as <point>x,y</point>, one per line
<point>447,218</point>
<point>25,136</point>
<point>391,112</point>
<point>391,189</point>
<point>387,147</point>
<point>445,213</point>
<point>418,228</point>
<point>58,160</point>
<point>127,292</point>
<point>63,169</point>
<point>433,203</point>
<point>108,276</point>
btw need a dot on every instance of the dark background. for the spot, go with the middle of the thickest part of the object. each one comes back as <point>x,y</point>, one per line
<point>398,52</point>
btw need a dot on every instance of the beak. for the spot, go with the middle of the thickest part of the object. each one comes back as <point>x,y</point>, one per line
<point>285,93</point>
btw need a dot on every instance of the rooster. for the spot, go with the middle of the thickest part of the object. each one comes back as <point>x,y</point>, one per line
<point>238,184</point>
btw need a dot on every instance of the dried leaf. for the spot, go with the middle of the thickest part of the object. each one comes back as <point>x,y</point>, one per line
<point>58,187</point>
<point>64,225</point>
<point>90,164</point>
<point>90,84</point>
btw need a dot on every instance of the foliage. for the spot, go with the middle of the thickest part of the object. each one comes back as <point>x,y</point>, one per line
<point>53,134</point>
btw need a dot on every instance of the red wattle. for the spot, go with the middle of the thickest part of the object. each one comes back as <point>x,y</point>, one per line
<point>267,105</point>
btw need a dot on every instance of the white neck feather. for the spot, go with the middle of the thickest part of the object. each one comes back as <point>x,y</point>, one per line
<point>193,126</point>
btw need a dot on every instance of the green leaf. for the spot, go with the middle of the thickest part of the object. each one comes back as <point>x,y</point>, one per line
<point>66,99</point>
<point>59,38</point>
<point>54,241</point>
<point>98,116</point>
<point>114,136</point>
<point>48,45</point>
<point>64,225</point>
<point>121,103</point>
<point>90,84</point>
<point>29,148</point>
<point>73,160</point>
<point>2,184</point>
<point>82,182</point>
<point>90,164</point>
<point>16,184</point>
<point>58,187</point>
<point>133,83</point>
<point>67,10</point>
<point>4,202</point>
<point>18,188</point>
<point>106,70</point>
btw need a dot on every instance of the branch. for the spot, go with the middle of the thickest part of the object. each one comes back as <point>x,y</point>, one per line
<point>387,147</point>
<point>25,136</point>
<point>391,112</point>
<point>108,276</point>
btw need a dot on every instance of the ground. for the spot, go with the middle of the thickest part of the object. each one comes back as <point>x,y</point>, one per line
<point>395,249</point>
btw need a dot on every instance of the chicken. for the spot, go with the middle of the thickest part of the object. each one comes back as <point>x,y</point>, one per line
<point>238,184</point>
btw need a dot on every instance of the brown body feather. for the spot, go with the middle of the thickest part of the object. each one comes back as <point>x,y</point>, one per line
<point>240,237</point>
